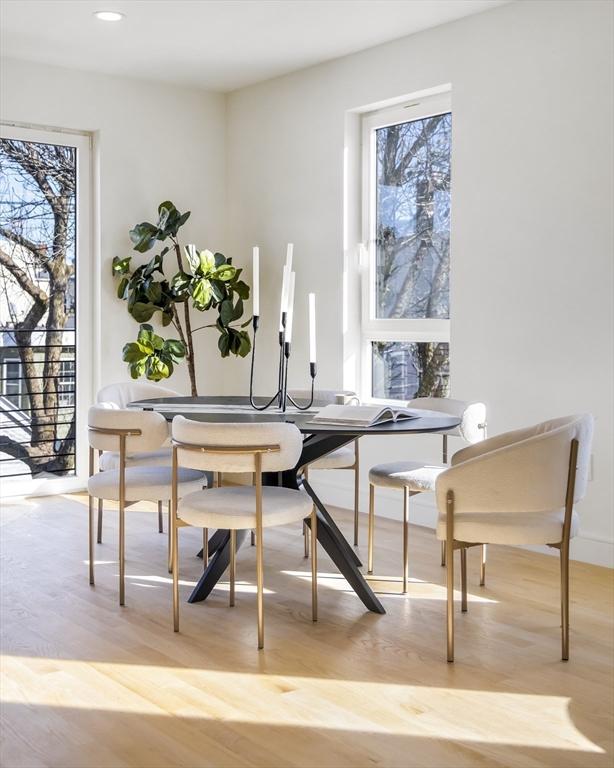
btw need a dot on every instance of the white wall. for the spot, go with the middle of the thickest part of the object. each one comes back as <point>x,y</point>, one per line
<point>154,143</point>
<point>532,219</point>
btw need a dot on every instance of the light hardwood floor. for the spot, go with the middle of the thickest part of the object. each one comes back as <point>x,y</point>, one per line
<point>87,683</point>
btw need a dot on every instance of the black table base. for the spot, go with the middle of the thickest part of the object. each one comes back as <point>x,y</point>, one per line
<point>329,535</point>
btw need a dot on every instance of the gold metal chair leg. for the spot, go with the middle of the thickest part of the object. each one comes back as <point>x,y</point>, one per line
<point>463,559</point>
<point>450,574</point>
<point>314,564</point>
<point>306,539</point>
<point>443,554</point>
<point>356,492</point>
<point>90,538</point>
<point>564,556</point>
<point>259,553</point>
<point>483,565</point>
<point>205,548</point>
<point>371,527</point>
<point>122,554</point>
<point>160,521</point>
<point>99,536</point>
<point>405,538</point>
<point>175,567</point>
<point>170,540</point>
<point>233,566</point>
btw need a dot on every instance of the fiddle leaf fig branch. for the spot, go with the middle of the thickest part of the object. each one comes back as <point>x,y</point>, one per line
<point>204,281</point>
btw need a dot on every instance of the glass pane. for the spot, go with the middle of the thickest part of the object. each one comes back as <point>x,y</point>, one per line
<point>413,219</point>
<point>403,370</point>
<point>37,308</point>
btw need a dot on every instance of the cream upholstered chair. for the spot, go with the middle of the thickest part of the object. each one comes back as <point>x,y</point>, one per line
<point>121,394</point>
<point>238,448</point>
<point>517,488</point>
<point>115,429</point>
<point>413,477</point>
<point>346,457</point>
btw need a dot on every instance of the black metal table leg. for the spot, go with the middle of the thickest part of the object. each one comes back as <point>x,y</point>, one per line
<point>218,563</point>
<point>335,545</point>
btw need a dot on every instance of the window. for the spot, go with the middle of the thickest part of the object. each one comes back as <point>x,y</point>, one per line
<point>11,381</point>
<point>406,220</point>
<point>45,241</point>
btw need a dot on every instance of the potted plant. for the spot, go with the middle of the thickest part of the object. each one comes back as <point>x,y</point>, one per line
<point>203,279</point>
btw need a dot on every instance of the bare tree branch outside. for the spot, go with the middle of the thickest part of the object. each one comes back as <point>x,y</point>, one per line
<point>37,308</point>
<point>413,253</point>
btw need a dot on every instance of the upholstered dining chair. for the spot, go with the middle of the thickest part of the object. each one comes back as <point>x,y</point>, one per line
<point>517,488</point>
<point>346,457</point>
<point>129,431</point>
<point>239,448</point>
<point>413,477</point>
<point>121,394</point>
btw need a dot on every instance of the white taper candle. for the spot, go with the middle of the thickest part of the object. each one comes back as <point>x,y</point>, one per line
<point>312,327</point>
<point>283,305</point>
<point>289,253</point>
<point>256,281</point>
<point>290,309</point>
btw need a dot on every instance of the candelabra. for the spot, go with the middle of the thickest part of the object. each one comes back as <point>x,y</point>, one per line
<point>281,397</point>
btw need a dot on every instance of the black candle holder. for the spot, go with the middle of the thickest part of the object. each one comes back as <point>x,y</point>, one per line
<point>281,397</point>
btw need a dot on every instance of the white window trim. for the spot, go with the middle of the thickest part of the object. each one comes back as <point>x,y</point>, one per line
<point>85,321</point>
<point>372,328</point>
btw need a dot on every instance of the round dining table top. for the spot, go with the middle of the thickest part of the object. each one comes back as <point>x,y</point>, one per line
<point>237,409</point>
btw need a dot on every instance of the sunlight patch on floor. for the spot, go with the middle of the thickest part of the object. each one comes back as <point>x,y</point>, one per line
<point>385,708</point>
<point>390,586</point>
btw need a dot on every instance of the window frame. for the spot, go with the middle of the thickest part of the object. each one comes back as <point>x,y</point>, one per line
<point>386,329</point>
<point>86,329</point>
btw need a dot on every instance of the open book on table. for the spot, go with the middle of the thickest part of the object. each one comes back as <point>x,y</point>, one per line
<point>362,415</point>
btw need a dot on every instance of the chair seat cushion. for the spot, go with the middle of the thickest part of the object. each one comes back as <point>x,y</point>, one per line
<point>145,483</point>
<point>235,507</point>
<point>161,458</point>
<point>406,474</point>
<point>508,527</point>
<point>342,458</point>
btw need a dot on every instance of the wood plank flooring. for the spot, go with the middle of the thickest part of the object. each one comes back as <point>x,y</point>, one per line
<point>87,684</point>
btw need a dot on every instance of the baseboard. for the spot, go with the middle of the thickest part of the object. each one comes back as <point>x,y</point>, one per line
<point>389,504</point>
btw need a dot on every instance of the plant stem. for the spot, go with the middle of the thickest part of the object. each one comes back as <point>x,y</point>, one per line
<point>188,330</point>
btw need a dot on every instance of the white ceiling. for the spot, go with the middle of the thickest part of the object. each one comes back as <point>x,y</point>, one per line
<point>215,44</point>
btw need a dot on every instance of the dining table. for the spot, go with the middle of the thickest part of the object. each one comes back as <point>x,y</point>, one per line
<point>319,439</point>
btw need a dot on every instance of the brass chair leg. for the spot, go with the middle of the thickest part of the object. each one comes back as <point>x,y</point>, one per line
<point>175,567</point>
<point>306,539</point>
<point>405,538</point>
<point>99,536</point>
<point>122,554</point>
<point>483,566</point>
<point>450,574</point>
<point>233,566</point>
<point>260,588</point>
<point>160,521</point>
<point>205,548</point>
<point>356,491</point>
<point>170,540</point>
<point>443,554</point>
<point>314,564</point>
<point>463,559</point>
<point>90,536</point>
<point>564,556</point>
<point>371,527</point>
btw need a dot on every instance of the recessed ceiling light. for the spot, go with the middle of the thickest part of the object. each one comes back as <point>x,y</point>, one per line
<point>108,15</point>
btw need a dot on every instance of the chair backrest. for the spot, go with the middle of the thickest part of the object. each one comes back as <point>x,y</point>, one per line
<point>472,428</point>
<point>526,470</point>
<point>326,396</point>
<point>242,436</point>
<point>125,392</point>
<point>152,426</point>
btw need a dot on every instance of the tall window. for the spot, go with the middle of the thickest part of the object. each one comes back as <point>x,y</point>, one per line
<point>406,297</point>
<point>40,253</point>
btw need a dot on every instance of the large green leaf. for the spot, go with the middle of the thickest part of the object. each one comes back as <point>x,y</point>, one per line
<point>201,292</point>
<point>142,312</point>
